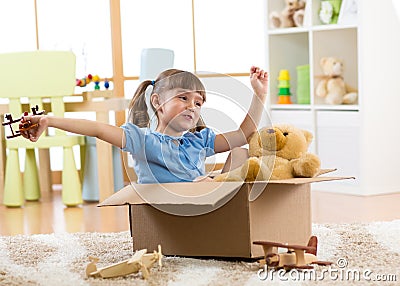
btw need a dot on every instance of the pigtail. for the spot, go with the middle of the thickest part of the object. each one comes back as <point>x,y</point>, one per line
<point>138,108</point>
<point>199,126</point>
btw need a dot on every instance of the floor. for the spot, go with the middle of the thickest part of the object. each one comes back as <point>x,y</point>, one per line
<point>50,215</point>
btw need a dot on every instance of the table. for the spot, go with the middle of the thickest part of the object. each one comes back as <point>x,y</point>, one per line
<point>104,151</point>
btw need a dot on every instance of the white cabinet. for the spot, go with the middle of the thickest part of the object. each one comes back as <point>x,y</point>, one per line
<point>336,128</point>
<point>338,142</point>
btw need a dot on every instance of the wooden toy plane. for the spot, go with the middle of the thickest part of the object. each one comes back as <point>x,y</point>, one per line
<point>297,256</point>
<point>24,126</point>
<point>140,261</point>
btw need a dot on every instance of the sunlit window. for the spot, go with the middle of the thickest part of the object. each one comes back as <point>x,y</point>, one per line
<point>80,26</point>
<point>156,24</point>
<point>17,26</point>
<point>229,35</point>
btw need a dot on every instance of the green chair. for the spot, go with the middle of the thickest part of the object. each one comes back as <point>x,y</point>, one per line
<point>36,77</point>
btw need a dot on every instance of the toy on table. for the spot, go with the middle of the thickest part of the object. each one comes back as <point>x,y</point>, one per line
<point>84,81</point>
<point>297,256</point>
<point>106,83</point>
<point>23,126</point>
<point>141,261</point>
<point>92,78</point>
<point>284,87</point>
<point>96,93</point>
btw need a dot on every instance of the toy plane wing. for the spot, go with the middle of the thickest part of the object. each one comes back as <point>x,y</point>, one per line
<point>137,256</point>
<point>297,256</point>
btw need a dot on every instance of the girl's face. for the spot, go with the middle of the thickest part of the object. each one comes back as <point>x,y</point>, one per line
<point>178,110</point>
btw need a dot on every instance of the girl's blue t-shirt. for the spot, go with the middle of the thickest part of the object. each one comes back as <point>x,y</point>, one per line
<point>160,158</point>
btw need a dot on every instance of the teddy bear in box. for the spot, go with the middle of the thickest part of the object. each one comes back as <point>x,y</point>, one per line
<point>332,86</point>
<point>278,152</point>
<point>291,16</point>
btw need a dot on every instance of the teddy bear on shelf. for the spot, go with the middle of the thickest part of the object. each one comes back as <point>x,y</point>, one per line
<point>278,152</point>
<point>332,86</point>
<point>291,16</point>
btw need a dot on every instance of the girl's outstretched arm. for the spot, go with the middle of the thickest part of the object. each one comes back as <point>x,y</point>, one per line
<point>109,133</point>
<point>228,141</point>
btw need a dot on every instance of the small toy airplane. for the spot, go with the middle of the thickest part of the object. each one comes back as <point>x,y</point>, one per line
<point>22,126</point>
<point>297,256</point>
<point>140,261</point>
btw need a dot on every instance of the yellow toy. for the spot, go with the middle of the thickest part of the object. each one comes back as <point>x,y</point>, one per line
<point>291,16</point>
<point>332,86</point>
<point>278,152</point>
<point>141,261</point>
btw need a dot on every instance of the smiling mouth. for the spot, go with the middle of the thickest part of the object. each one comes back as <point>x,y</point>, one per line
<point>189,117</point>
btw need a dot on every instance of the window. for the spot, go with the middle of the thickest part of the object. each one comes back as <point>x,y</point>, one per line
<point>80,26</point>
<point>156,24</point>
<point>17,26</point>
<point>229,35</point>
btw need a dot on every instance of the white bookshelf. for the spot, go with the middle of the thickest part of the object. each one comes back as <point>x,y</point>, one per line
<point>335,127</point>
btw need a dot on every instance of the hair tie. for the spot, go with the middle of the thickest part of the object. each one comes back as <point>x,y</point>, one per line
<point>152,82</point>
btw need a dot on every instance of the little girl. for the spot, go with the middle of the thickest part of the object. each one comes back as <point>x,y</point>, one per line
<point>176,150</point>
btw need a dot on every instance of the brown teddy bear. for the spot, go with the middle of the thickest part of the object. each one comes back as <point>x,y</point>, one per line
<point>278,152</point>
<point>291,16</point>
<point>332,86</point>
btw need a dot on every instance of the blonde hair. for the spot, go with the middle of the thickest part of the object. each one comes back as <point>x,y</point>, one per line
<point>167,80</point>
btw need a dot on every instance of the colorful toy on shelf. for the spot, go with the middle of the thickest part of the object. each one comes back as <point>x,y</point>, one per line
<point>284,87</point>
<point>329,11</point>
<point>92,78</point>
<point>106,83</point>
<point>141,261</point>
<point>297,256</point>
<point>96,80</point>
<point>303,84</point>
<point>84,81</point>
<point>23,126</point>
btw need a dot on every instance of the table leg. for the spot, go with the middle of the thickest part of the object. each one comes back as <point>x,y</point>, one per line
<point>104,162</point>
<point>45,172</point>
<point>2,159</point>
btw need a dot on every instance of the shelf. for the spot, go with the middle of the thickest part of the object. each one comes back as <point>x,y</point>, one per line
<point>290,107</point>
<point>296,30</point>
<point>285,31</point>
<point>333,27</point>
<point>336,128</point>
<point>343,107</point>
<point>315,107</point>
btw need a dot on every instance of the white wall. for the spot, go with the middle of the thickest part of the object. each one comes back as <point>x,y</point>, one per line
<point>380,103</point>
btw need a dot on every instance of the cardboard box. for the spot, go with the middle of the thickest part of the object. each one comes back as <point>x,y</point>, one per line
<point>212,219</point>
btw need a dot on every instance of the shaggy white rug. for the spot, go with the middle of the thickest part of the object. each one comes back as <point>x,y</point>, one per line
<point>363,254</point>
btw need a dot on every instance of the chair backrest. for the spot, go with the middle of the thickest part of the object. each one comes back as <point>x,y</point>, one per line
<point>36,75</point>
<point>153,61</point>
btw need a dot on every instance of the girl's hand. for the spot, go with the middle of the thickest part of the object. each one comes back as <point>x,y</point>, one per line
<point>34,133</point>
<point>259,81</point>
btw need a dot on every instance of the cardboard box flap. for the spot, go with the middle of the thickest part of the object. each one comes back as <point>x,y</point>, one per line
<point>296,181</point>
<point>325,171</point>
<point>256,188</point>
<point>201,193</point>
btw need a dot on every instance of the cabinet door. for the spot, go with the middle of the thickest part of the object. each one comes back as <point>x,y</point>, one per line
<point>338,142</point>
<point>302,119</point>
